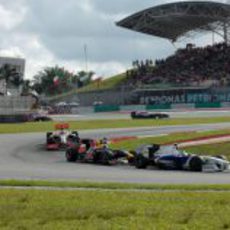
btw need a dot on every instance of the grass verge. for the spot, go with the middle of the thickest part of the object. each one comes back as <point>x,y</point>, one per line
<point>100,124</point>
<point>113,186</point>
<point>170,138</point>
<point>109,83</point>
<point>44,209</point>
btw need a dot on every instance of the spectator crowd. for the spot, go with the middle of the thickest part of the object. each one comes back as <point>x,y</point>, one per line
<point>192,66</point>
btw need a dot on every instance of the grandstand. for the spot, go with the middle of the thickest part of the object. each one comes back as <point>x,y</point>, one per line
<point>190,67</point>
<point>200,69</point>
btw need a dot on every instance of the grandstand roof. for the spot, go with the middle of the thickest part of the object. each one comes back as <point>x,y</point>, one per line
<point>181,19</point>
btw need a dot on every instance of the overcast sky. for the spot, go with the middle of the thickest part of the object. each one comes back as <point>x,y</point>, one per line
<point>55,32</point>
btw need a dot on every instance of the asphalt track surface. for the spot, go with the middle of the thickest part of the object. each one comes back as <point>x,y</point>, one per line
<point>126,115</point>
<point>22,156</point>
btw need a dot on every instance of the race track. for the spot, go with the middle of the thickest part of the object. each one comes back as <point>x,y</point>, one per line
<point>23,156</point>
<point>176,113</point>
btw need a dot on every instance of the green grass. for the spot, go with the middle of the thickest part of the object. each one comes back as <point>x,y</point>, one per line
<point>167,139</point>
<point>112,185</point>
<point>109,83</point>
<point>100,124</point>
<point>33,209</point>
<point>212,149</point>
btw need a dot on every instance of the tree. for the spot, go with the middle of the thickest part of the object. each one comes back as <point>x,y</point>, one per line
<point>5,72</point>
<point>53,80</point>
<point>56,80</point>
<point>11,76</point>
<point>84,78</point>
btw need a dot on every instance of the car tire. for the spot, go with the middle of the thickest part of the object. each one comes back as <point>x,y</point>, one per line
<point>71,155</point>
<point>195,164</point>
<point>133,114</point>
<point>108,159</point>
<point>48,134</point>
<point>141,162</point>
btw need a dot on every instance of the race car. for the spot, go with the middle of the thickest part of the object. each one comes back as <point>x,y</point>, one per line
<point>42,118</point>
<point>36,116</point>
<point>171,157</point>
<point>61,138</point>
<point>148,115</point>
<point>88,151</point>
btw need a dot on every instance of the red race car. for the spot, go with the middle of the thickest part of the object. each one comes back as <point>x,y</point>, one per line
<point>61,138</point>
<point>90,151</point>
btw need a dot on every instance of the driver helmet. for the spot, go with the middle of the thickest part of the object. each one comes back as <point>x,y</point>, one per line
<point>104,140</point>
<point>76,133</point>
<point>176,146</point>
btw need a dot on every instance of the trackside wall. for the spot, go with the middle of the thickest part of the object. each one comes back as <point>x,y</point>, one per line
<point>108,97</point>
<point>15,104</point>
<point>128,108</point>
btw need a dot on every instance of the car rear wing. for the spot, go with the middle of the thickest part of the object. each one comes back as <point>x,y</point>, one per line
<point>61,126</point>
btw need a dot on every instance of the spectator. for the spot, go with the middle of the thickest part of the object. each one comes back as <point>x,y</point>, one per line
<point>193,66</point>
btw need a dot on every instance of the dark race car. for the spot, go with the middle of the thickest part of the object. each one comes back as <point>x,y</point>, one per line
<point>61,138</point>
<point>148,115</point>
<point>87,151</point>
<point>36,116</point>
<point>42,118</point>
<point>170,157</point>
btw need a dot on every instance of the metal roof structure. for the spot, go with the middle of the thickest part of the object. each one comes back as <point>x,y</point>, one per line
<point>174,21</point>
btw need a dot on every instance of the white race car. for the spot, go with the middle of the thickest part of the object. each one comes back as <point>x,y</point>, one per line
<point>170,157</point>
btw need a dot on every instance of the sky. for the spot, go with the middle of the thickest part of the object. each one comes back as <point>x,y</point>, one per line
<point>79,35</point>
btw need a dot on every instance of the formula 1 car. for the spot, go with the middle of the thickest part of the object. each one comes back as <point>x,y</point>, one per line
<point>87,151</point>
<point>42,118</point>
<point>36,116</point>
<point>148,115</point>
<point>170,157</point>
<point>61,138</point>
